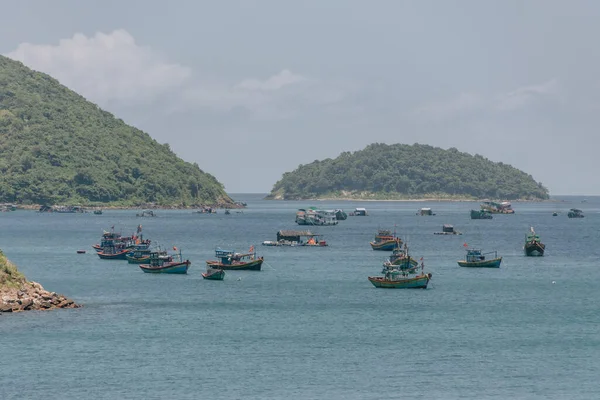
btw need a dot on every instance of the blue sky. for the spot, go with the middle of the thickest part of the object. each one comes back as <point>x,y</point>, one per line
<point>252,89</point>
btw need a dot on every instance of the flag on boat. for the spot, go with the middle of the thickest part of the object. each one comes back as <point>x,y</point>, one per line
<point>251,249</point>
<point>139,228</point>
<point>465,244</point>
<point>421,259</point>
<point>174,248</point>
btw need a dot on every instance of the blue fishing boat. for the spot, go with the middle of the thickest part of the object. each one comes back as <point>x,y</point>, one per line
<point>230,260</point>
<point>161,263</point>
<point>476,259</point>
<point>400,278</point>
<point>385,240</point>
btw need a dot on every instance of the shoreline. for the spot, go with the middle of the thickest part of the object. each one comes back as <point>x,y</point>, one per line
<point>420,200</point>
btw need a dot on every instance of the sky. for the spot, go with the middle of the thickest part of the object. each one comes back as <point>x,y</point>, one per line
<point>252,89</point>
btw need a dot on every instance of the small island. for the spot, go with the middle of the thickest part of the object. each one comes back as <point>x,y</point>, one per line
<point>407,172</point>
<point>19,294</point>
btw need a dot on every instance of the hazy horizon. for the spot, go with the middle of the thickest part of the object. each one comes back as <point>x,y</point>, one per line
<point>250,91</point>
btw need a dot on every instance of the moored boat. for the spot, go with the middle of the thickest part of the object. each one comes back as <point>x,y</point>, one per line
<point>397,278</point>
<point>117,252</point>
<point>494,207</point>
<point>575,213</point>
<point>400,257</point>
<point>447,230</point>
<point>297,238</point>
<point>476,259</point>
<point>161,263</point>
<point>230,260</point>
<point>385,240</point>
<point>533,246</point>
<point>481,214</point>
<point>215,274</point>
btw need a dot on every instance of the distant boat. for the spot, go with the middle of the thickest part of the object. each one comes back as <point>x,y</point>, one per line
<point>425,211</point>
<point>230,260</point>
<point>385,240</point>
<point>215,274</point>
<point>113,253</point>
<point>575,213</point>
<point>533,246</point>
<point>481,214</point>
<point>227,212</point>
<point>341,215</point>
<point>497,208</point>
<point>98,212</point>
<point>297,238</point>
<point>312,216</point>
<point>146,213</point>
<point>555,214</point>
<point>161,263</point>
<point>359,212</point>
<point>476,259</point>
<point>448,230</point>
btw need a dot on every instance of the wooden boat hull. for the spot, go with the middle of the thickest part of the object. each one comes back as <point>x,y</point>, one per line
<point>254,265</point>
<point>168,268</point>
<point>215,275</point>
<point>535,249</point>
<point>116,256</point>
<point>387,245</point>
<point>404,262</point>
<point>137,260</point>
<point>493,263</point>
<point>417,282</point>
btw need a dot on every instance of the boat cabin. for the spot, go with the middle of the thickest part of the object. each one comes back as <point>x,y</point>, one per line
<point>425,211</point>
<point>446,228</point>
<point>474,255</point>
<point>360,212</point>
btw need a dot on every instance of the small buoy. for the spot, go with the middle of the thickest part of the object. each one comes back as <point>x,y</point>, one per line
<point>80,251</point>
<point>239,279</point>
<point>553,282</point>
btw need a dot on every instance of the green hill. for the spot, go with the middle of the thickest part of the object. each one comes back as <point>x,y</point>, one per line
<point>401,171</point>
<point>57,147</point>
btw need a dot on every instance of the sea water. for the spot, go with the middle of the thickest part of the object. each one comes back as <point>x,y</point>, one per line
<point>309,325</point>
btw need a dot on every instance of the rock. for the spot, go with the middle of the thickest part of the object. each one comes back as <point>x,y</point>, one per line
<point>26,304</point>
<point>5,308</point>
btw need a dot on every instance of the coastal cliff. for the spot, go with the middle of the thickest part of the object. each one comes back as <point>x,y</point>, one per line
<point>19,294</point>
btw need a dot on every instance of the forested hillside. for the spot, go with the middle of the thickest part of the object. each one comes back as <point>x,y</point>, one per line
<point>57,147</point>
<point>400,171</point>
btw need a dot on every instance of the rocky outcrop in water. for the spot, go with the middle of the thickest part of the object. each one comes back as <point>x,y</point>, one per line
<point>19,294</point>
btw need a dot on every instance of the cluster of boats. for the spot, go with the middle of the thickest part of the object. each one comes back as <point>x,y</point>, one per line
<point>314,216</point>
<point>137,250</point>
<point>401,271</point>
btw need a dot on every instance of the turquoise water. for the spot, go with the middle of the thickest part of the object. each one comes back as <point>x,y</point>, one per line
<point>310,325</point>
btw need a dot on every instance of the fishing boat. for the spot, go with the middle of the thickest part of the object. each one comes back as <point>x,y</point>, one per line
<point>533,246</point>
<point>140,254</point>
<point>398,278</point>
<point>425,211</point>
<point>555,214</point>
<point>113,238</point>
<point>341,215</point>
<point>575,213</point>
<point>215,274</point>
<point>97,212</point>
<point>494,207</point>
<point>146,213</point>
<point>113,252</point>
<point>297,238</point>
<point>227,212</point>
<point>385,240</point>
<point>448,230</point>
<point>476,259</point>
<point>481,214</point>
<point>230,260</point>
<point>359,212</point>
<point>312,216</point>
<point>401,257</point>
<point>161,263</point>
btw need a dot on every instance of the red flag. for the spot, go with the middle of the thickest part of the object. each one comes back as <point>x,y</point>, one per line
<point>251,249</point>
<point>421,259</point>
<point>174,248</point>
<point>465,245</point>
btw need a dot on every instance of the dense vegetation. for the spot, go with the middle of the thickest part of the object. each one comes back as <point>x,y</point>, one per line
<point>401,171</point>
<point>56,147</point>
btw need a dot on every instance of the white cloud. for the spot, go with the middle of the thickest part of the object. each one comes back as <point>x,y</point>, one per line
<point>112,69</point>
<point>526,95</point>
<point>105,67</point>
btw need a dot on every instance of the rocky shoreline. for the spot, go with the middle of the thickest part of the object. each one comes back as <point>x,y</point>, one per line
<point>18,294</point>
